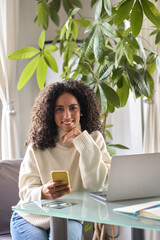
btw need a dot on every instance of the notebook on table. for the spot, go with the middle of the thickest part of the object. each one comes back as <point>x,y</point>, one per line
<point>132,177</point>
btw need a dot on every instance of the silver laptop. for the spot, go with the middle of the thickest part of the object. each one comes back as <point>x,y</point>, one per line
<point>132,177</point>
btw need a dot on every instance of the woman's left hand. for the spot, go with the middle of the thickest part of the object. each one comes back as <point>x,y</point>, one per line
<point>74,132</point>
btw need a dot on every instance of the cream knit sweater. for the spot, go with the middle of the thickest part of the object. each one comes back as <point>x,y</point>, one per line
<point>84,157</point>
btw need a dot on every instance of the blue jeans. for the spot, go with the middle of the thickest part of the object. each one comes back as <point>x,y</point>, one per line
<point>23,230</point>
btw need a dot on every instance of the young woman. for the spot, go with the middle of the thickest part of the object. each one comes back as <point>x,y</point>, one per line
<point>64,135</point>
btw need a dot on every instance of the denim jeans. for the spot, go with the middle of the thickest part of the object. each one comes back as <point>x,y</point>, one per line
<point>23,230</point>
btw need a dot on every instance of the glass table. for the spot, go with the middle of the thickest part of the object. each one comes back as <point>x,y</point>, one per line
<point>81,206</point>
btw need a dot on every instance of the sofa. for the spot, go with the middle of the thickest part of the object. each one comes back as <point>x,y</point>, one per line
<point>9,172</point>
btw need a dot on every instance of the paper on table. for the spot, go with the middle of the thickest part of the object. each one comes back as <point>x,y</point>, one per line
<point>149,209</point>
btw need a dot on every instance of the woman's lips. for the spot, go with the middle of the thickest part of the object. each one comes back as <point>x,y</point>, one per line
<point>67,123</point>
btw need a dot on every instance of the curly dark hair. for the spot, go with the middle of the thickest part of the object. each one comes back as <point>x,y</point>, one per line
<point>43,132</point>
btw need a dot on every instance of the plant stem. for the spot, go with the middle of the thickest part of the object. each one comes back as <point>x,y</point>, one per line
<point>104,124</point>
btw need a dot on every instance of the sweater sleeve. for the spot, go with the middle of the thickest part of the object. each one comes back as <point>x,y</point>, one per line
<point>94,161</point>
<point>29,178</point>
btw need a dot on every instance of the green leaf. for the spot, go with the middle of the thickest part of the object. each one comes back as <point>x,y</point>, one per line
<point>24,53</point>
<point>76,3</point>
<point>67,6</point>
<point>119,53</point>
<point>108,7</point>
<point>88,227</point>
<point>133,43</point>
<point>98,10</point>
<point>41,40</point>
<point>138,83</point>
<point>127,32</point>
<point>154,32</point>
<point>129,54</point>
<point>138,59</point>
<point>102,100</point>
<point>111,95</point>
<point>111,150</point>
<point>39,14</point>
<point>68,26</point>
<point>123,92</point>
<point>157,40</point>
<point>108,134</point>
<point>118,146</point>
<point>51,62</point>
<point>63,31</point>
<point>55,17</point>
<point>109,125</point>
<point>41,72</point>
<point>149,80</point>
<point>151,67</point>
<point>108,30</point>
<point>90,26</point>
<point>93,2</point>
<point>151,58</point>
<point>50,48</point>
<point>105,71</point>
<point>99,45</point>
<point>110,107</point>
<point>55,4</point>
<point>74,30</point>
<point>136,25</point>
<point>28,72</point>
<point>82,22</point>
<point>43,12</point>
<point>68,53</point>
<point>116,76</point>
<point>123,11</point>
<point>151,12</point>
<point>87,45</point>
<point>74,11</point>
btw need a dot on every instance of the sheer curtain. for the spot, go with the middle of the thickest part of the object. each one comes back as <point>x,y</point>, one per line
<point>151,109</point>
<point>152,113</point>
<point>152,121</point>
<point>9,18</point>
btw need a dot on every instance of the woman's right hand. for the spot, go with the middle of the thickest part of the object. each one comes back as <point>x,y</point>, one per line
<point>53,190</point>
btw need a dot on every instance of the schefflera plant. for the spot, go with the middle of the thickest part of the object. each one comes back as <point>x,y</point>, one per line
<point>41,60</point>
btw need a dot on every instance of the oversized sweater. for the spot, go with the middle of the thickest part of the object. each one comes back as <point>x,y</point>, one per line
<point>84,157</point>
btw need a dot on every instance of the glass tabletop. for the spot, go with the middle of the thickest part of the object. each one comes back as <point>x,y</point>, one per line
<point>81,206</point>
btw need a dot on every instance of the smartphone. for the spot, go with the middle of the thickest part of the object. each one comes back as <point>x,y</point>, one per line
<point>60,176</point>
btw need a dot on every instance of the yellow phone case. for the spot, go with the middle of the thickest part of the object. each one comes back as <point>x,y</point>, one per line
<point>59,176</point>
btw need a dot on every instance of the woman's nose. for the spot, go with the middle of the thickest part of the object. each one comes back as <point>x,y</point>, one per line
<point>67,113</point>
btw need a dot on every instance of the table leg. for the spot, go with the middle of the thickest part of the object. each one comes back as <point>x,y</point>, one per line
<point>58,228</point>
<point>137,234</point>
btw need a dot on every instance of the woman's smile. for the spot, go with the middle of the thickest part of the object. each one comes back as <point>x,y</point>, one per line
<point>67,112</point>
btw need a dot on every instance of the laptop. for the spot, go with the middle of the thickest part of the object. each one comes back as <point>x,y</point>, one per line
<point>132,177</point>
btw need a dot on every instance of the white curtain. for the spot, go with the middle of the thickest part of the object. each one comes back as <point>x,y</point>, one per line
<point>152,121</point>
<point>152,109</point>
<point>152,114</point>
<point>9,18</point>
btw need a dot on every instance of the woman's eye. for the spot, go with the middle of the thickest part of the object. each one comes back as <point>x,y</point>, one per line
<point>59,109</point>
<point>73,108</point>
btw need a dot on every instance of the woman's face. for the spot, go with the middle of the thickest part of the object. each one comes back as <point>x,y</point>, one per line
<point>67,112</point>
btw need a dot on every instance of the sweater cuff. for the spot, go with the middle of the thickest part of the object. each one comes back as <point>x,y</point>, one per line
<point>82,141</point>
<point>36,194</point>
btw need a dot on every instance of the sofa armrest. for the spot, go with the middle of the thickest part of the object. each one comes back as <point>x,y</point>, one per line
<point>9,173</point>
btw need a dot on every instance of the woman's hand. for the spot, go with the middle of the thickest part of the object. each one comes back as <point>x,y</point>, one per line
<point>74,132</point>
<point>53,190</point>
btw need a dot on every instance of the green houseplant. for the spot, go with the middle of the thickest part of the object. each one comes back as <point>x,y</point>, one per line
<point>110,58</point>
